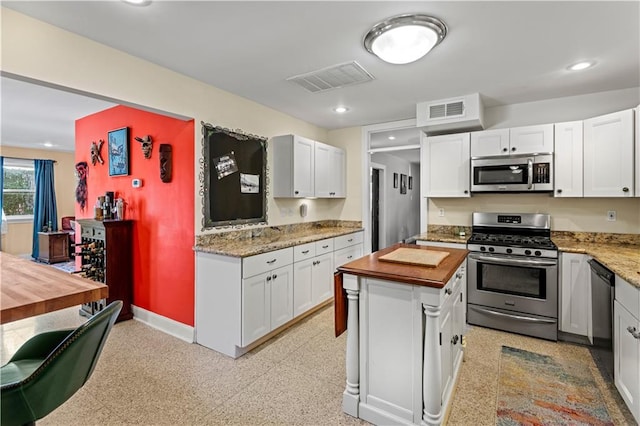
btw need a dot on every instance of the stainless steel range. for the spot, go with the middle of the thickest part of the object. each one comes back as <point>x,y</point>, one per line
<point>513,274</point>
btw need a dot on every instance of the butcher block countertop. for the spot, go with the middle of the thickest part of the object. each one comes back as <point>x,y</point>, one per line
<point>370,266</point>
<point>29,289</point>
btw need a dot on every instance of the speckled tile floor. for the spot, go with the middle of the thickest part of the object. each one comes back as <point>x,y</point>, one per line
<point>147,377</point>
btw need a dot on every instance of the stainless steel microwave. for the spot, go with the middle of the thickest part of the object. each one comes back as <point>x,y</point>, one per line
<point>522,173</point>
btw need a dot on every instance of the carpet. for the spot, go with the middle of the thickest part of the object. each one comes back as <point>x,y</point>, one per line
<point>536,389</point>
<point>65,266</point>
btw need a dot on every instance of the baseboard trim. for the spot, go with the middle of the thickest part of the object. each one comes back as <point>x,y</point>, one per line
<point>164,324</point>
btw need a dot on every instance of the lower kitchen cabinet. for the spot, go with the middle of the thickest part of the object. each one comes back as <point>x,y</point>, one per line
<point>313,282</point>
<point>575,294</point>
<point>626,344</point>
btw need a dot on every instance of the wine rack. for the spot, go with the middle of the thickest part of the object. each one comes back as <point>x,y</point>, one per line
<point>106,254</point>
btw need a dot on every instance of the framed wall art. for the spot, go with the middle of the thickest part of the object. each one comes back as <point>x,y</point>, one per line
<point>119,152</point>
<point>403,184</point>
<point>410,182</point>
<point>395,180</point>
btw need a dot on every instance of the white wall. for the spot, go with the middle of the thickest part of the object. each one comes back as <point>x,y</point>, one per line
<point>401,211</point>
<point>34,50</point>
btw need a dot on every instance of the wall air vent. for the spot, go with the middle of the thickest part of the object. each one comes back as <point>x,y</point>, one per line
<point>451,115</point>
<point>332,77</point>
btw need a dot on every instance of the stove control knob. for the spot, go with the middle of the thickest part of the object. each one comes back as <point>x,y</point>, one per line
<point>509,251</point>
<point>538,253</point>
<point>483,248</point>
<point>491,249</point>
<point>527,252</point>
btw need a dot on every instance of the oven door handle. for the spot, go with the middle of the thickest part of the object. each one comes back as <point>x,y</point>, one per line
<point>512,262</point>
<point>518,317</point>
<point>530,173</point>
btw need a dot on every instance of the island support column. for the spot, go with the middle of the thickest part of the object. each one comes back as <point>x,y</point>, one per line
<point>431,373</point>
<point>351,395</point>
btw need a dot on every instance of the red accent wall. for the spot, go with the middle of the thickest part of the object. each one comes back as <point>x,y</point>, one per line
<point>164,276</point>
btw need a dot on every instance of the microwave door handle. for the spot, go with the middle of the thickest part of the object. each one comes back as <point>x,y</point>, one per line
<point>530,173</point>
<point>512,261</point>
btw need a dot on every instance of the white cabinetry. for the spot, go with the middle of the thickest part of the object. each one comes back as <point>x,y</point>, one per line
<point>514,141</point>
<point>306,168</point>
<point>575,294</point>
<point>448,165</point>
<point>608,155</point>
<point>637,138</point>
<point>241,300</point>
<point>626,344</point>
<point>330,168</point>
<point>568,159</point>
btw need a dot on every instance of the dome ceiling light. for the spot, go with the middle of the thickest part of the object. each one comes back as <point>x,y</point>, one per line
<point>405,38</point>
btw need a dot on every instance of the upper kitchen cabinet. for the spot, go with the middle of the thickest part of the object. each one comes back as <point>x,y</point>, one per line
<point>490,142</point>
<point>568,159</point>
<point>517,140</point>
<point>608,155</point>
<point>448,163</point>
<point>293,166</point>
<point>638,151</point>
<point>330,170</point>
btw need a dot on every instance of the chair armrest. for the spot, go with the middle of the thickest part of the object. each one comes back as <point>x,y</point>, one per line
<point>41,345</point>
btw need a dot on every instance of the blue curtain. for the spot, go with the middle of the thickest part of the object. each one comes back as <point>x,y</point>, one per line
<point>44,208</point>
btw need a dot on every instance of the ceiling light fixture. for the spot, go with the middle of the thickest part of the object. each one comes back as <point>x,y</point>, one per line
<point>581,65</point>
<point>138,2</point>
<point>405,38</point>
<point>392,138</point>
<point>48,144</point>
<point>341,109</point>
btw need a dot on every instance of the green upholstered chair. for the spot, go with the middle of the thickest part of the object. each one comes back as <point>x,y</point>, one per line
<point>50,367</point>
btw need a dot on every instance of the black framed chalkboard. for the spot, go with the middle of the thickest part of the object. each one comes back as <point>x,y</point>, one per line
<point>234,181</point>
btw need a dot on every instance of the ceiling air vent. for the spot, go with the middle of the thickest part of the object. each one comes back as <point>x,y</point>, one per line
<point>332,77</point>
<point>451,115</point>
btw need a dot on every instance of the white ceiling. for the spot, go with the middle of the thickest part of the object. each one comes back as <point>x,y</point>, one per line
<point>510,52</point>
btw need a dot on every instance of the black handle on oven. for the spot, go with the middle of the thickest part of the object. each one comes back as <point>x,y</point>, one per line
<point>510,261</point>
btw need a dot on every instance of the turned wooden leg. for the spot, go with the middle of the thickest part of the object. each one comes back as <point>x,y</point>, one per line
<point>431,373</point>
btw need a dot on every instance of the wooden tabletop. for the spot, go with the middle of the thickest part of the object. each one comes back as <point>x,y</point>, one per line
<point>28,289</point>
<point>370,266</point>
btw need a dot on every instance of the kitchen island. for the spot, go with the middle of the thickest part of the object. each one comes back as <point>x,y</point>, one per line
<point>404,336</point>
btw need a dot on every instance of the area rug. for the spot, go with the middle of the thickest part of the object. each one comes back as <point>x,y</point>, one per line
<point>65,266</point>
<point>536,389</point>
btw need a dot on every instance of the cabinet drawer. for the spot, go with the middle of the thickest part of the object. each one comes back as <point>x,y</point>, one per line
<point>347,240</point>
<point>87,232</point>
<point>346,255</point>
<point>304,251</point>
<point>264,262</point>
<point>98,233</point>
<point>324,246</point>
<point>628,296</point>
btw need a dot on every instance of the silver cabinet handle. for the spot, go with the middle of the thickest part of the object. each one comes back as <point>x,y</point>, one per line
<point>275,276</point>
<point>269,278</point>
<point>349,257</point>
<point>350,240</point>
<point>448,291</point>
<point>327,246</point>
<point>634,332</point>
<point>271,261</point>
<point>305,251</point>
<point>459,275</point>
<point>625,189</point>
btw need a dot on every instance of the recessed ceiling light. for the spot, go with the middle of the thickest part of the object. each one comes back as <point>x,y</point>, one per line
<point>48,144</point>
<point>581,65</point>
<point>341,109</point>
<point>392,138</point>
<point>138,2</point>
<point>405,38</point>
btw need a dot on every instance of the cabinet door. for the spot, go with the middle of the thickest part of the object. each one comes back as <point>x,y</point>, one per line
<point>568,159</point>
<point>608,155</point>
<point>637,138</point>
<point>446,354</point>
<point>531,139</point>
<point>256,307</point>
<point>302,281</point>
<point>303,167</point>
<point>281,296</point>
<point>322,288</point>
<point>575,293</point>
<point>338,173</point>
<point>458,325</point>
<point>626,354</point>
<point>322,178</point>
<point>448,162</point>
<point>490,142</point>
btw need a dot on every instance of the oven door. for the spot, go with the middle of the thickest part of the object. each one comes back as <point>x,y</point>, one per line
<point>514,283</point>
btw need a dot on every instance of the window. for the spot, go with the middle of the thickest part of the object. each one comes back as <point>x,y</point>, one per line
<point>19,188</point>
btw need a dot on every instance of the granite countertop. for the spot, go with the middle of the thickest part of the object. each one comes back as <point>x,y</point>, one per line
<point>244,247</point>
<point>618,252</point>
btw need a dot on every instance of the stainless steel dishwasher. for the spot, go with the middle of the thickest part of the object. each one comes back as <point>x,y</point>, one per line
<point>602,296</point>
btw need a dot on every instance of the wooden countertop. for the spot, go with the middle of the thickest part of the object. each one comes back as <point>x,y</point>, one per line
<point>370,266</point>
<point>29,289</point>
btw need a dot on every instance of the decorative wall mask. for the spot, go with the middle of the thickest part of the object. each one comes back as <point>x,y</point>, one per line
<point>147,145</point>
<point>96,156</point>
<point>82,170</point>
<point>165,162</point>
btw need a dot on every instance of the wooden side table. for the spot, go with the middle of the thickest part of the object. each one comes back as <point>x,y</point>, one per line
<point>54,247</point>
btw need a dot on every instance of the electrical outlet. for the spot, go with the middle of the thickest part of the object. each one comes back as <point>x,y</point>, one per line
<point>611,215</point>
<point>441,212</point>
